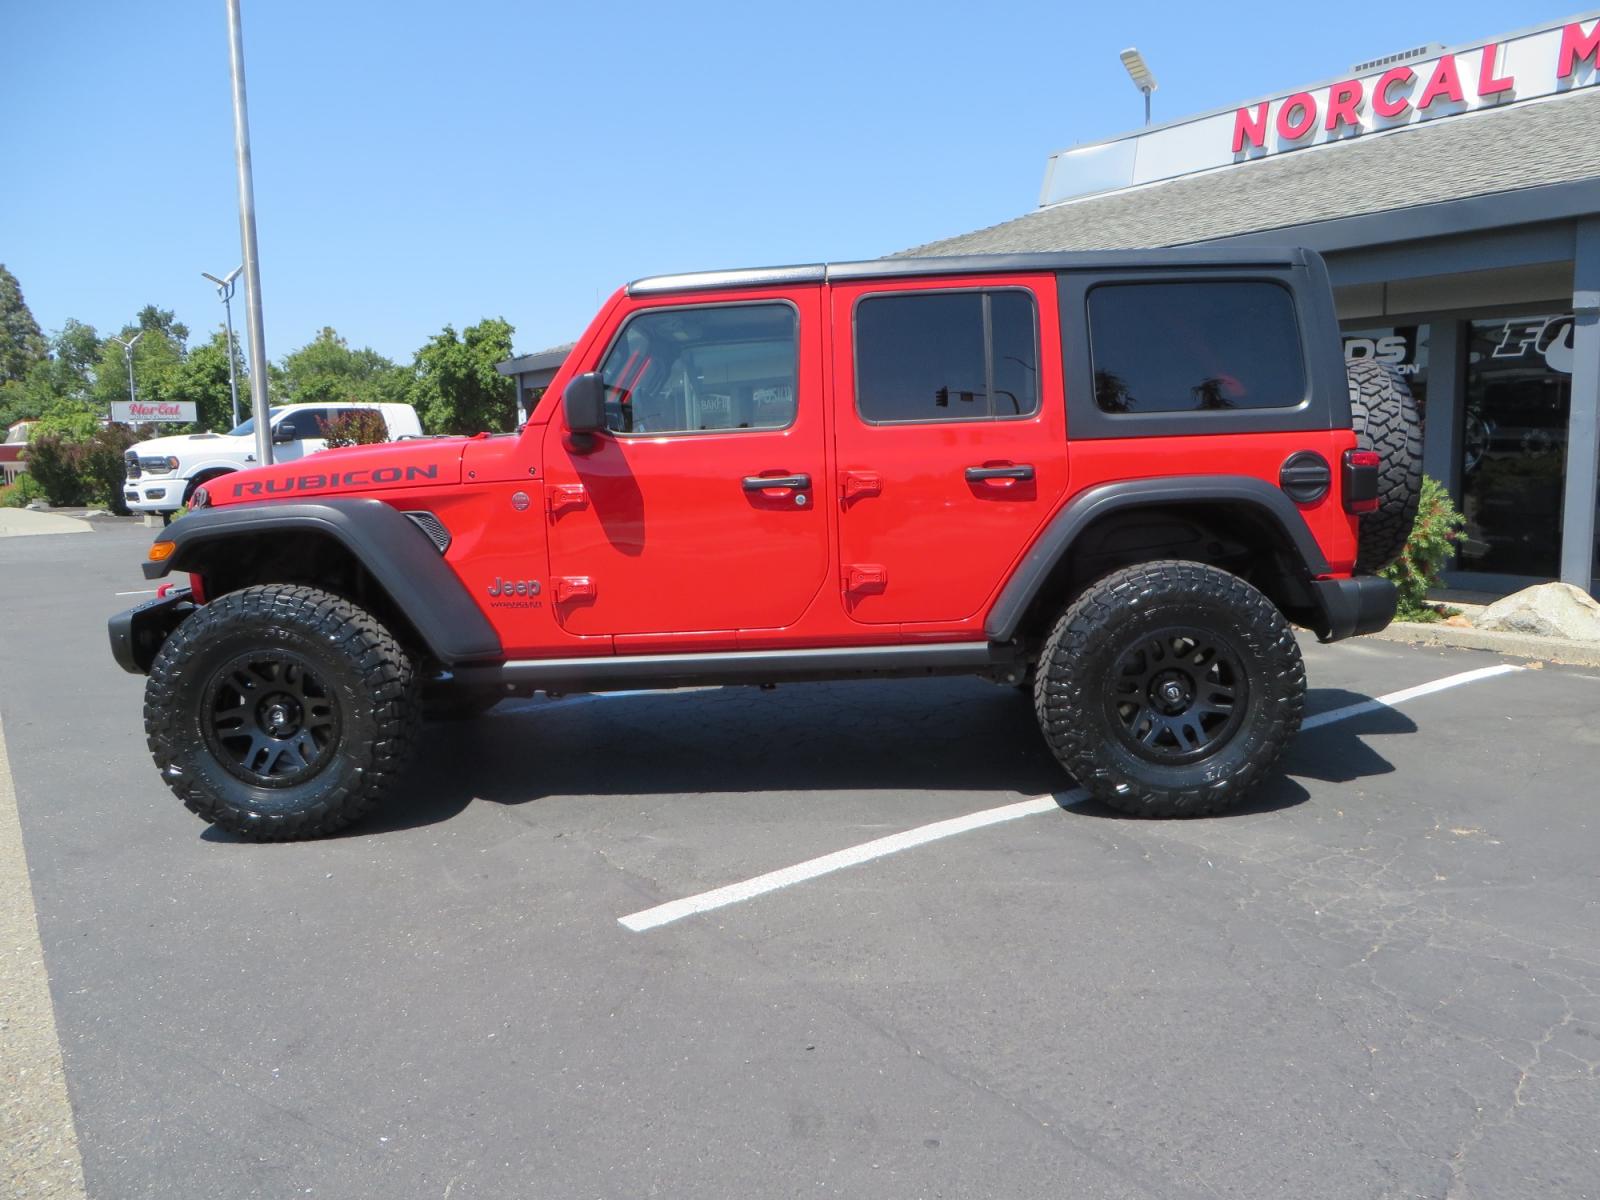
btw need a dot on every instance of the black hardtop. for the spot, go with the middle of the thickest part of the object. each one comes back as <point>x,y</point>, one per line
<point>1197,257</point>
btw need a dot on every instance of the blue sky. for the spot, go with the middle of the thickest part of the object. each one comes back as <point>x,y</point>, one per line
<point>418,164</point>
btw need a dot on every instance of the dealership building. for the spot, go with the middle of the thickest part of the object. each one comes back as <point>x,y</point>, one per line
<point>1455,193</point>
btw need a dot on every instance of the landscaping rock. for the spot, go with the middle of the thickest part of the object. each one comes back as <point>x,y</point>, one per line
<point>1546,610</point>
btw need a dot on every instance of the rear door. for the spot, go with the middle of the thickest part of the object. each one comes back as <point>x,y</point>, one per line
<point>696,511</point>
<point>950,437</point>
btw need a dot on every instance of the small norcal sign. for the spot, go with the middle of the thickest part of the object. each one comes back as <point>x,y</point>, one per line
<point>139,412</point>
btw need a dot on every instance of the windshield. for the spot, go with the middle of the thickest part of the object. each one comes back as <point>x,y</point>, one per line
<point>248,427</point>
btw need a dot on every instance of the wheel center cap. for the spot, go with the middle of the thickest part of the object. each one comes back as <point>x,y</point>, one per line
<point>1171,692</point>
<point>280,716</point>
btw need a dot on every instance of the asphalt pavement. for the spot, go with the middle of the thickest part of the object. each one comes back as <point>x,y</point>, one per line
<point>1382,978</point>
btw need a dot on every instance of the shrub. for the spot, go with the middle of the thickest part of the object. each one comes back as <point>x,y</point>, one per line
<point>1434,537</point>
<point>74,471</point>
<point>21,493</point>
<point>54,463</point>
<point>102,466</point>
<point>357,427</point>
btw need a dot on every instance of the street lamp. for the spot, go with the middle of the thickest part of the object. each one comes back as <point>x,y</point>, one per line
<point>225,290</point>
<point>127,352</point>
<point>1139,72</point>
<point>247,239</point>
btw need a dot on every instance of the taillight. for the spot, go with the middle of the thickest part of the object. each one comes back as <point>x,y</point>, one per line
<point>1361,480</point>
<point>200,499</point>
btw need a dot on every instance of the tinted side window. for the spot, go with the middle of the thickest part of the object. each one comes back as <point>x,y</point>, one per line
<point>1204,346</point>
<point>690,370</point>
<point>306,422</point>
<point>946,356</point>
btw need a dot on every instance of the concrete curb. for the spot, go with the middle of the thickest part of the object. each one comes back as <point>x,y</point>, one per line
<point>1513,645</point>
<point>38,1139</point>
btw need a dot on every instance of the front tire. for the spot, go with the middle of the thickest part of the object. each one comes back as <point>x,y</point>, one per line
<point>1170,689</point>
<point>281,712</point>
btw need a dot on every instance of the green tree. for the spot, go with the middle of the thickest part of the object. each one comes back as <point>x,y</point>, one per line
<point>63,380</point>
<point>326,371</point>
<point>202,378</point>
<point>157,358</point>
<point>21,343</point>
<point>457,389</point>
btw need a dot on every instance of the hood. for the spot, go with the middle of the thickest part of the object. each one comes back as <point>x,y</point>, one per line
<point>348,471</point>
<point>180,443</point>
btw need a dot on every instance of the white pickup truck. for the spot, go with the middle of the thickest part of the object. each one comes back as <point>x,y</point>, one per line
<point>163,472</point>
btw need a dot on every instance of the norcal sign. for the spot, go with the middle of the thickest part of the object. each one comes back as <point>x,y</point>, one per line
<point>1453,83</point>
<point>1395,94</point>
<point>138,412</point>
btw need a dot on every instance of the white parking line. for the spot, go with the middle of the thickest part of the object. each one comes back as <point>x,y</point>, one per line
<point>140,592</point>
<point>733,893</point>
<point>1400,697</point>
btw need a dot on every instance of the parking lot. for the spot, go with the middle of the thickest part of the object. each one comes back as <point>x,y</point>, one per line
<point>1382,979</point>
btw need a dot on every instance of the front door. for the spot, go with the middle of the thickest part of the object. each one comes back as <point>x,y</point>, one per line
<point>696,511</point>
<point>951,440</point>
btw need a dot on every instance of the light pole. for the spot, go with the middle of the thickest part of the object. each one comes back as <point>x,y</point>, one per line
<point>1141,76</point>
<point>127,353</point>
<point>247,239</point>
<point>225,290</point>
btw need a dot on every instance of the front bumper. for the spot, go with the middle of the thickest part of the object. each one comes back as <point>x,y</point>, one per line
<point>160,493</point>
<point>1360,604</point>
<point>137,634</point>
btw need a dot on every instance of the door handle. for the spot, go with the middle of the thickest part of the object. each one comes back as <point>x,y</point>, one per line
<point>793,483</point>
<point>861,483</point>
<point>979,474</point>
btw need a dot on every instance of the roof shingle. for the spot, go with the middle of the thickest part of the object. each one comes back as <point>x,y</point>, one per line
<point>1524,145</point>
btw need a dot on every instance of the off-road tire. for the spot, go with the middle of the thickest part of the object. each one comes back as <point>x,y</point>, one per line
<point>364,674</point>
<point>1385,418</point>
<point>1075,692</point>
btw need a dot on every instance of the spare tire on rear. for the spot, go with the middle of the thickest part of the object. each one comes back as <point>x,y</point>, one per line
<point>1384,415</point>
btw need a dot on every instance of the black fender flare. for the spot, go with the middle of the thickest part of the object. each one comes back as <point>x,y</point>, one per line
<point>1093,503</point>
<point>389,545</point>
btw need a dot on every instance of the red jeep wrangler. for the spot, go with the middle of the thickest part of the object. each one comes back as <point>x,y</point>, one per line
<point>1113,479</point>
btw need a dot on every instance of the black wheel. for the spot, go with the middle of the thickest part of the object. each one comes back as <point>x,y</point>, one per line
<point>281,712</point>
<point>1170,689</point>
<point>1385,418</point>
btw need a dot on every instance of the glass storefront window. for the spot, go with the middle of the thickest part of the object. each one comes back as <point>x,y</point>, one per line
<point>1514,444</point>
<point>1403,347</point>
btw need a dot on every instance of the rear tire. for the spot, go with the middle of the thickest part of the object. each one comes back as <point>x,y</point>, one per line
<point>1170,689</point>
<point>1384,415</point>
<point>281,712</point>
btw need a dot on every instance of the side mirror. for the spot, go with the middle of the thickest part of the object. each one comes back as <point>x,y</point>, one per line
<point>284,432</point>
<point>584,405</point>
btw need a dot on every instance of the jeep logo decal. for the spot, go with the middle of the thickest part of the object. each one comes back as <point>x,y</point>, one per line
<point>514,587</point>
<point>348,479</point>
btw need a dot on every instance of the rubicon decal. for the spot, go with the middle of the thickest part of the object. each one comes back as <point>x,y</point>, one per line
<point>334,479</point>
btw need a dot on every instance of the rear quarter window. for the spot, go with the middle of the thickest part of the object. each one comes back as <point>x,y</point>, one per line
<point>1195,347</point>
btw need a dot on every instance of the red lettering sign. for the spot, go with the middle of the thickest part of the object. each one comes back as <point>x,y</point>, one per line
<point>1343,101</point>
<point>1445,81</point>
<point>1382,103</point>
<point>1297,116</point>
<point>1576,47</point>
<point>1248,128</point>
<point>1490,84</point>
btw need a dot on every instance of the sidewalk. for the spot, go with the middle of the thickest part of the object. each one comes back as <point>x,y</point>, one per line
<point>25,522</point>
<point>1568,651</point>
